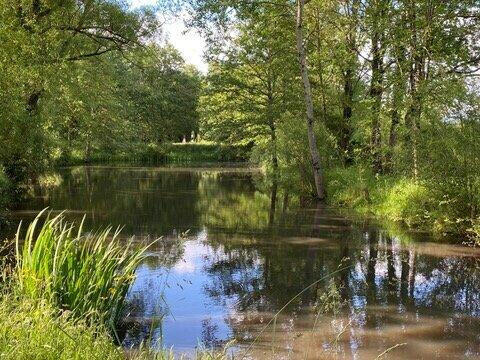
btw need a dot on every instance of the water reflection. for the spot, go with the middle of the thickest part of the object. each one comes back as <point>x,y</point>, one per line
<point>246,256</point>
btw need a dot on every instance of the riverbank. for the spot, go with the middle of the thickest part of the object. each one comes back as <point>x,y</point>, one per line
<point>161,154</point>
<point>416,204</point>
<point>63,295</point>
<point>35,330</point>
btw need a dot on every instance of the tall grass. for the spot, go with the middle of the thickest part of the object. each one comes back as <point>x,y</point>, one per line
<point>193,152</point>
<point>34,330</point>
<point>84,273</point>
<point>393,198</point>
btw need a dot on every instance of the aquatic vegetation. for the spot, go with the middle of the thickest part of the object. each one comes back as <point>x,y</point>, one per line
<point>87,274</point>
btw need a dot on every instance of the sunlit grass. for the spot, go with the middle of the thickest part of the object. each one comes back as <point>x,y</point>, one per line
<point>84,273</point>
<point>34,330</point>
<point>392,198</point>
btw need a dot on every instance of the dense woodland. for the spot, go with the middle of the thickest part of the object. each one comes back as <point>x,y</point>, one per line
<point>85,78</point>
<point>371,104</point>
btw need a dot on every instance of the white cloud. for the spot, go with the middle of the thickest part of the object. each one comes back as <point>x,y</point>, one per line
<point>137,3</point>
<point>188,41</point>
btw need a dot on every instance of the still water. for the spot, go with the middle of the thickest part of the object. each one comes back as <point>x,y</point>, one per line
<point>230,258</point>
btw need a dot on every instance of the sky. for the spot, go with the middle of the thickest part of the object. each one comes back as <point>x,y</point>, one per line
<point>190,44</point>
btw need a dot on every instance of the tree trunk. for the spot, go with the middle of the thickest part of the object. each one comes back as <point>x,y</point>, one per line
<point>348,73</point>
<point>302,57</point>
<point>273,203</point>
<point>397,100</point>
<point>413,115</point>
<point>346,135</point>
<point>376,92</point>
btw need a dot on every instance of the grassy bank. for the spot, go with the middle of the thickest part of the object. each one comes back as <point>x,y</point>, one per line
<point>35,330</point>
<point>419,204</point>
<point>32,330</point>
<point>207,153</point>
<point>160,154</point>
<point>66,293</point>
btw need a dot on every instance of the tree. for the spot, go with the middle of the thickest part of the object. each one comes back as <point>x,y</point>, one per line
<point>39,42</point>
<point>302,58</point>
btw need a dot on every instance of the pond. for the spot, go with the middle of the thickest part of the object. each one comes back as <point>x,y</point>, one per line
<point>230,259</point>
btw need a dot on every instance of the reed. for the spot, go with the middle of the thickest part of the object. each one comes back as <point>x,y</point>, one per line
<point>87,274</point>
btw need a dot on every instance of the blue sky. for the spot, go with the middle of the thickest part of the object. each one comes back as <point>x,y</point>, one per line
<point>190,44</point>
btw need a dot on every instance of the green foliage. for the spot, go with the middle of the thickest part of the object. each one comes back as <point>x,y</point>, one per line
<point>35,331</point>
<point>405,200</point>
<point>31,330</point>
<point>350,186</point>
<point>82,81</point>
<point>46,50</point>
<point>395,199</point>
<point>474,230</point>
<point>5,188</point>
<point>144,153</point>
<point>207,153</point>
<point>294,155</point>
<point>391,91</point>
<point>84,273</point>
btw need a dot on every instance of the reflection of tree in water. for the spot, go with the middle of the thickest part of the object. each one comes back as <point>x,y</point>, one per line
<point>143,200</point>
<point>387,284</point>
<point>209,335</point>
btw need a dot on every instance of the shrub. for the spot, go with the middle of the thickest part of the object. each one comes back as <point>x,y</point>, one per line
<point>406,200</point>
<point>192,152</point>
<point>350,186</point>
<point>4,189</point>
<point>7,193</point>
<point>396,199</point>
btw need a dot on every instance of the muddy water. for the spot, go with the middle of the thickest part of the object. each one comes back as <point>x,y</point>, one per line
<point>246,257</point>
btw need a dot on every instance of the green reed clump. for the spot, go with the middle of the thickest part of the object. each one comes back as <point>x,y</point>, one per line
<point>84,273</point>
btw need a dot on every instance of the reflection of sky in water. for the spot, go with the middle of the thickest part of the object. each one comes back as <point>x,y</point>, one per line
<point>177,294</point>
<point>197,312</point>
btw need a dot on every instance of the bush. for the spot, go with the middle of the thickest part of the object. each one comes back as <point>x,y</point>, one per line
<point>396,199</point>
<point>207,152</point>
<point>294,153</point>
<point>5,190</point>
<point>406,200</point>
<point>350,187</point>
